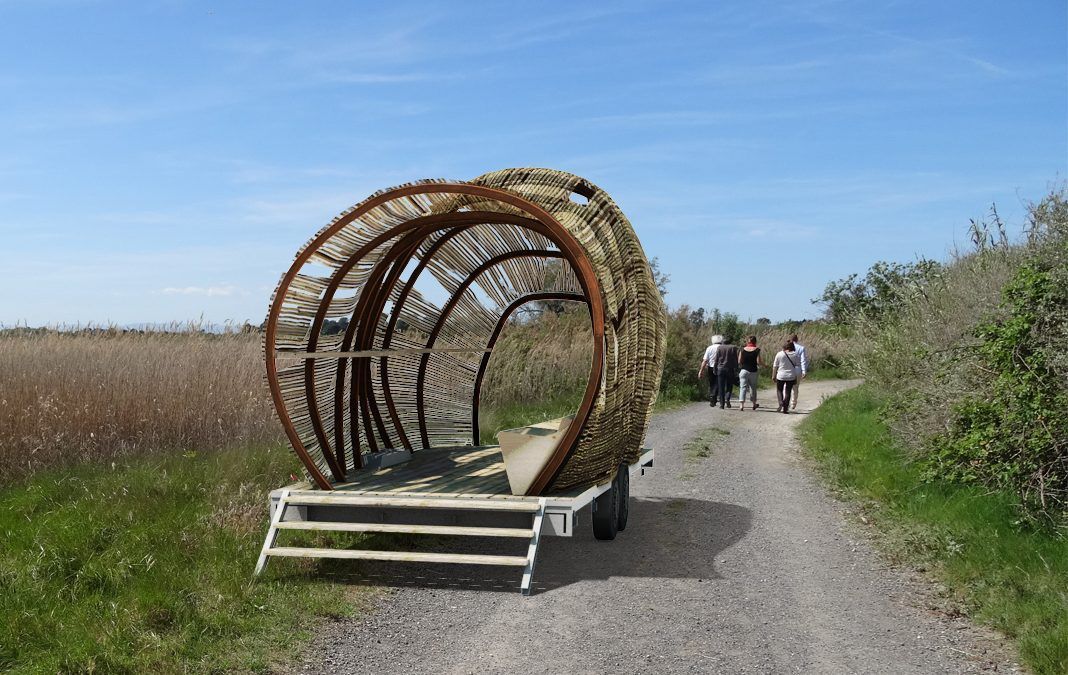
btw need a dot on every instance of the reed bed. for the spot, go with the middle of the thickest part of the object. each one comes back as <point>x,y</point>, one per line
<point>72,397</point>
<point>76,396</point>
<point>545,358</point>
<point>68,397</point>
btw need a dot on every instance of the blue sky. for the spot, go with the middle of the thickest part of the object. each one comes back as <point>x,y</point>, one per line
<point>165,160</point>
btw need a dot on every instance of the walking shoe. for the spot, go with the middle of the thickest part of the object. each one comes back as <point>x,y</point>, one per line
<point>755,405</point>
<point>729,404</point>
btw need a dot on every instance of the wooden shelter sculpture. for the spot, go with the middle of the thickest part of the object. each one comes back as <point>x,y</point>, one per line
<point>406,373</point>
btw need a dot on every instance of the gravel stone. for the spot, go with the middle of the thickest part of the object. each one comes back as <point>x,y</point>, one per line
<point>740,562</point>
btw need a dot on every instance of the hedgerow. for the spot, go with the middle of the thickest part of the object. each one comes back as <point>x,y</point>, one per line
<point>972,357</point>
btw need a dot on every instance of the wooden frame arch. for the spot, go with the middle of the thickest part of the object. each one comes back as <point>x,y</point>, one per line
<point>402,240</point>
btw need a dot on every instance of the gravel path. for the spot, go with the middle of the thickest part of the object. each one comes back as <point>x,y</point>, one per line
<point>734,563</point>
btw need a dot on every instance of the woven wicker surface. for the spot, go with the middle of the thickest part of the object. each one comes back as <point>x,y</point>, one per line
<point>483,255</point>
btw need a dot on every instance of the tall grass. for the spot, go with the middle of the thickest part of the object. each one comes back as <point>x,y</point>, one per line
<point>1013,578</point>
<point>72,397</point>
<point>544,358</point>
<point>68,397</point>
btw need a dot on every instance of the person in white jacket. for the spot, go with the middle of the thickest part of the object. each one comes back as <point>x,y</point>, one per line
<point>707,366</point>
<point>786,369</point>
<point>800,349</point>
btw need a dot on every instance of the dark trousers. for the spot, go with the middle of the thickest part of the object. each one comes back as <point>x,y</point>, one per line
<point>724,385</point>
<point>783,390</point>
<point>713,386</point>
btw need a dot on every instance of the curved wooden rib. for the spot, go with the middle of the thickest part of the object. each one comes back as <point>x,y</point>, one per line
<point>443,317</point>
<point>541,221</point>
<point>360,406</point>
<point>391,325</point>
<point>516,304</point>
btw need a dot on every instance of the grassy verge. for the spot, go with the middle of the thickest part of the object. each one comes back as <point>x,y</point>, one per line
<point>1001,573</point>
<point>520,415</point>
<point>146,567</point>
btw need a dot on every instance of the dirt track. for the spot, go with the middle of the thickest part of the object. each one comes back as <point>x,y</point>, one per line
<point>734,563</point>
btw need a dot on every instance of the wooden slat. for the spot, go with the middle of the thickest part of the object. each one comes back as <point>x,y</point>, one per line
<point>407,503</point>
<point>401,556</point>
<point>446,530</point>
<point>369,353</point>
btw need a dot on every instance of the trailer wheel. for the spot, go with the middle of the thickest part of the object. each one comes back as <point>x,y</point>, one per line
<point>606,513</point>
<point>623,478</point>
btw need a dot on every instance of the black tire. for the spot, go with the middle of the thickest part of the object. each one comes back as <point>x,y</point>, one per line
<point>606,513</point>
<point>623,478</point>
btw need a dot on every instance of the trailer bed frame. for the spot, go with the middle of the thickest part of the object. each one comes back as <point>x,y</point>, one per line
<point>458,491</point>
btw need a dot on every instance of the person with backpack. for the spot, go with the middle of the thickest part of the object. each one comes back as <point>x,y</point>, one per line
<point>726,362</point>
<point>786,370</point>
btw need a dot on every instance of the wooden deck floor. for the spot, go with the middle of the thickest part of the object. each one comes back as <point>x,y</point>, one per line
<point>466,471</point>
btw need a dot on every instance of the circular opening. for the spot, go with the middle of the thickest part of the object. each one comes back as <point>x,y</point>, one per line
<point>538,369</point>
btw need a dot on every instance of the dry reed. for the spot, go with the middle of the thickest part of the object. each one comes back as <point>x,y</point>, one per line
<point>77,396</point>
<point>69,397</point>
<point>544,359</point>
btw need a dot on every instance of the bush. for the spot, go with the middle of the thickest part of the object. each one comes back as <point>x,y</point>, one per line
<point>1016,435</point>
<point>973,359</point>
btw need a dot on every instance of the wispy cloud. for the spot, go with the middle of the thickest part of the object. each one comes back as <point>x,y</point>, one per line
<point>697,118</point>
<point>755,73</point>
<point>376,78</point>
<point>769,230</point>
<point>209,291</point>
<point>950,48</point>
<point>140,107</point>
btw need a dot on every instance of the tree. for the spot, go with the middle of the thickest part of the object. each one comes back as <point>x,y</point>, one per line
<point>659,277</point>
<point>879,293</point>
<point>335,327</point>
<point>697,317</point>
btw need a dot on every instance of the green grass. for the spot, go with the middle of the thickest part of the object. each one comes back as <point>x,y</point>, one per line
<point>1001,572</point>
<point>512,416</point>
<point>700,446</point>
<point>147,567</point>
<point>828,373</point>
<point>667,404</point>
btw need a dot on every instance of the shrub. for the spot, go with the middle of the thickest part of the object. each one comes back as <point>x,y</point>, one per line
<point>972,360</point>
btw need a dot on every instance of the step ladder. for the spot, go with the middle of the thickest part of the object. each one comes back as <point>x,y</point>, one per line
<point>302,498</point>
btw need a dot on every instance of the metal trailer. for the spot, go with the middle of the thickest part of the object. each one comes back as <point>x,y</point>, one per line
<point>445,491</point>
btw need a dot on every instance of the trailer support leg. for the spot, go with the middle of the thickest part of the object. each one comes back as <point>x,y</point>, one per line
<point>532,550</point>
<point>272,532</point>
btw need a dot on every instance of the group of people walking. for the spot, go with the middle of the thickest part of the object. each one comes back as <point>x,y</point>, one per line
<point>725,364</point>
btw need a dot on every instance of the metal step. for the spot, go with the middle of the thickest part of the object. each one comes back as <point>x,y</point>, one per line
<point>400,556</point>
<point>299,498</point>
<point>445,530</point>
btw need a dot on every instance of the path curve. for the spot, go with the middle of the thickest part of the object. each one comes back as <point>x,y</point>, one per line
<point>738,562</point>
